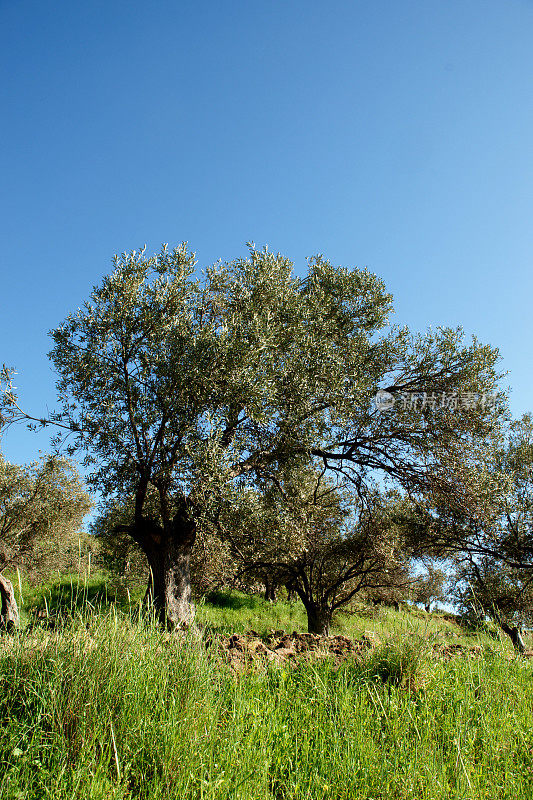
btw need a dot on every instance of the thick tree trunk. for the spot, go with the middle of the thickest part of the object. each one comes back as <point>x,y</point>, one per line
<point>291,592</point>
<point>513,632</point>
<point>169,585</point>
<point>318,618</point>
<point>270,590</point>
<point>9,613</point>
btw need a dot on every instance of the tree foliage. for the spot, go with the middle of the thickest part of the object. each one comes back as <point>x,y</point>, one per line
<point>510,537</point>
<point>180,385</point>
<point>42,507</point>
<point>488,587</point>
<point>498,547</point>
<point>318,539</point>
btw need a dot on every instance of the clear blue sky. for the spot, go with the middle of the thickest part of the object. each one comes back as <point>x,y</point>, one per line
<point>392,134</point>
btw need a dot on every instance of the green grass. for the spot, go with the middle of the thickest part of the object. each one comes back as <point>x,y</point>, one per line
<point>106,707</point>
<point>234,612</point>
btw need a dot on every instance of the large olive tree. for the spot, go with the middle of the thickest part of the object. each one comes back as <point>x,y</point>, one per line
<point>187,383</point>
<point>211,564</point>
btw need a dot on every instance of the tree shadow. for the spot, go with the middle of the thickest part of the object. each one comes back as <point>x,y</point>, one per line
<point>233,600</point>
<point>68,598</point>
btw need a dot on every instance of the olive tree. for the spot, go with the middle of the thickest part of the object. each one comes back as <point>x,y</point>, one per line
<point>211,563</point>
<point>486,587</point>
<point>509,537</point>
<point>315,537</point>
<point>42,507</point>
<point>428,588</point>
<point>188,383</point>
<point>494,556</point>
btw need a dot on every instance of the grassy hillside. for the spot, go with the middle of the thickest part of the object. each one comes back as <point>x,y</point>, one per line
<point>103,706</point>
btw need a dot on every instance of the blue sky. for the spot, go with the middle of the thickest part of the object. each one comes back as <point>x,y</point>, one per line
<point>386,134</point>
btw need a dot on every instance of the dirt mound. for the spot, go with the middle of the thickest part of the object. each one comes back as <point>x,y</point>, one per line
<point>242,650</point>
<point>277,647</point>
<point>455,618</point>
<point>449,651</point>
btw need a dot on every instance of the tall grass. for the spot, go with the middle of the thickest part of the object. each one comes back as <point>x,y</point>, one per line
<point>105,707</point>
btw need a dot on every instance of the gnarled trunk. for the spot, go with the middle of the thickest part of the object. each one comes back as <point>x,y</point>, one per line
<point>270,590</point>
<point>169,586</point>
<point>513,632</point>
<point>9,613</point>
<point>318,618</point>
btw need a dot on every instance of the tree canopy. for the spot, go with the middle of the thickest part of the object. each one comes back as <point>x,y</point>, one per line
<point>180,384</point>
<point>42,506</point>
<point>314,536</point>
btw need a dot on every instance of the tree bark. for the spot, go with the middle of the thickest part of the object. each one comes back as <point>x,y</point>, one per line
<point>318,618</point>
<point>169,585</point>
<point>513,632</point>
<point>9,613</point>
<point>270,590</point>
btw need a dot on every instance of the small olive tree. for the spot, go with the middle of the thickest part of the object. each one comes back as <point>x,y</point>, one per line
<point>493,553</point>
<point>429,586</point>
<point>42,507</point>
<point>315,537</point>
<point>488,588</point>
